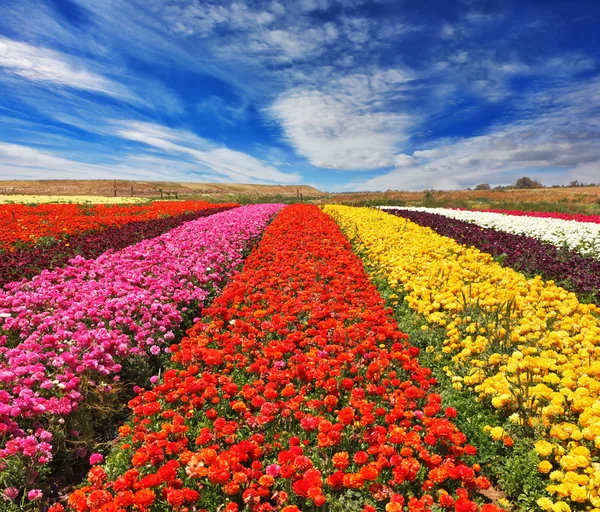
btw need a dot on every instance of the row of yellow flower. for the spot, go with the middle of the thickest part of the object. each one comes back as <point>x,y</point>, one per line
<point>38,199</point>
<point>525,346</point>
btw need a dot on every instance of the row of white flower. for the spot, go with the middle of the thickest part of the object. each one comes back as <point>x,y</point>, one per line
<point>583,237</point>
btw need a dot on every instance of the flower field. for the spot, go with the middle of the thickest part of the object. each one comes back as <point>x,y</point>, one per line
<point>260,354</point>
<point>23,224</point>
<point>296,390</point>
<point>525,347</point>
<point>66,334</point>
<point>582,237</point>
<point>520,252</point>
<point>31,259</point>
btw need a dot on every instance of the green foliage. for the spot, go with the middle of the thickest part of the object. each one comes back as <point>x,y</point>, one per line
<point>251,199</point>
<point>526,182</point>
<point>518,475</point>
<point>376,202</point>
<point>350,501</point>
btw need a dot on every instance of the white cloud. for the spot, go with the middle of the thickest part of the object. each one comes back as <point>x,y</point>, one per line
<point>202,19</point>
<point>403,160</point>
<point>217,165</point>
<point>346,125</point>
<point>234,165</point>
<point>447,31</point>
<point>39,64</point>
<point>488,75</point>
<point>165,154</point>
<point>556,142</point>
<point>237,32</point>
<point>27,163</point>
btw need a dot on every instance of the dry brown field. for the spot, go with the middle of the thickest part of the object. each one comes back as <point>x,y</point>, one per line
<point>151,189</point>
<point>584,199</point>
<point>579,195</point>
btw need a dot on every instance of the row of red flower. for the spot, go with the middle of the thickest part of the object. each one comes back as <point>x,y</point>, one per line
<point>295,390</point>
<point>579,217</point>
<point>21,223</point>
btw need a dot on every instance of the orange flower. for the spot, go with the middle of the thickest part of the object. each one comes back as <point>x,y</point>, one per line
<point>341,460</point>
<point>176,498</point>
<point>346,415</point>
<point>370,471</point>
<point>353,480</point>
<point>266,481</point>
<point>393,507</point>
<point>360,457</point>
<point>143,498</point>
<point>124,430</point>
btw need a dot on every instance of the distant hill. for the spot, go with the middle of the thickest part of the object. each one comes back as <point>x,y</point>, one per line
<point>152,188</point>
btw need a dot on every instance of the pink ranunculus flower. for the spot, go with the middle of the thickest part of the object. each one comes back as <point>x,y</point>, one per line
<point>273,470</point>
<point>34,494</point>
<point>96,458</point>
<point>10,493</point>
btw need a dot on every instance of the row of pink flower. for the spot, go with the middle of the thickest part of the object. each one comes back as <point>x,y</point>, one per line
<point>76,324</point>
<point>579,217</point>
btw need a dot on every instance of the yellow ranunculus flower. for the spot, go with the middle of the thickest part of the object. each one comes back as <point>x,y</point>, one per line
<point>579,494</point>
<point>577,435</point>
<point>543,448</point>
<point>497,433</point>
<point>561,506</point>
<point>545,504</point>
<point>581,451</point>
<point>69,199</point>
<point>544,467</point>
<point>498,402</point>
<point>563,490</point>
<point>569,463</point>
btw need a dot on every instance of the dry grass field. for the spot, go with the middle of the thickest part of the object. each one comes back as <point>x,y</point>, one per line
<point>582,195</point>
<point>578,199</point>
<point>567,200</point>
<point>151,189</point>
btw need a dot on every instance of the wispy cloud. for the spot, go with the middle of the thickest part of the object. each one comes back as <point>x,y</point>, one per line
<point>554,141</point>
<point>26,163</point>
<point>234,165</point>
<point>490,76</point>
<point>217,165</point>
<point>346,125</point>
<point>134,150</point>
<point>44,65</point>
<point>217,109</point>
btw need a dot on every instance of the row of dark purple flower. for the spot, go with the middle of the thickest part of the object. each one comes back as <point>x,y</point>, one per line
<point>522,253</point>
<point>30,261</point>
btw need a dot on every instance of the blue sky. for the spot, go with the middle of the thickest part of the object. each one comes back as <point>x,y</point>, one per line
<point>339,94</point>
